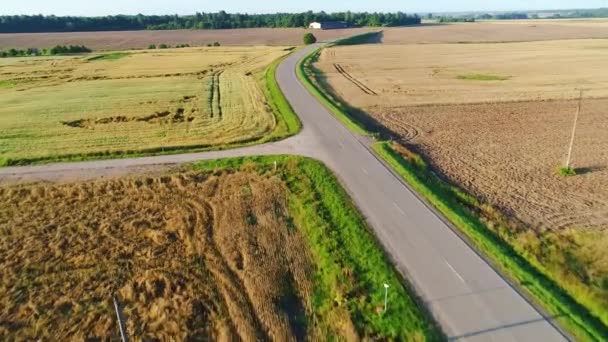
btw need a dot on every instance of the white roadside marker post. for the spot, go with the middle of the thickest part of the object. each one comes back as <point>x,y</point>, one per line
<point>385,296</point>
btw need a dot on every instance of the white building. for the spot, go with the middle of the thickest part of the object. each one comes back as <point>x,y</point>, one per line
<point>328,25</point>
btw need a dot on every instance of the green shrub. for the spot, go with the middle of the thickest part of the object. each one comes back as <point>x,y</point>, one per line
<point>151,46</point>
<point>566,171</point>
<point>163,46</point>
<point>309,38</point>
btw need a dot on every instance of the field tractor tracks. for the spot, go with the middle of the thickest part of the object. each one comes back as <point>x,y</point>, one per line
<point>405,131</point>
<point>215,95</point>
<point>355,81</point>
<point>238,303</point>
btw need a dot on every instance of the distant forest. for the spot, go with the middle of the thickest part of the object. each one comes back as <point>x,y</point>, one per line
<point>220,20</point>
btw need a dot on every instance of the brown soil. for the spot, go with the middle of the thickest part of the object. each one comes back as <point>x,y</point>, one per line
<point>496,32</point>
<point>142,39</point>
<point>508,153</point>
<point>188,256</point>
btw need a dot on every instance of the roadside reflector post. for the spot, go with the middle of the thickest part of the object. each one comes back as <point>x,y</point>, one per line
<point>385,296</point>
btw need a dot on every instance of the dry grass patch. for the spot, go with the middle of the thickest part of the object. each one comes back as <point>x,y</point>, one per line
<point>140,101</point>
<point>188,255</point>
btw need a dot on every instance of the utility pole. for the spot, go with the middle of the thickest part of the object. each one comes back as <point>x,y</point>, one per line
<point>578,111</point>
<point>385,297</point>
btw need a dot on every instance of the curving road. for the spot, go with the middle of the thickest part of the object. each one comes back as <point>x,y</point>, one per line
<point>467,297</point>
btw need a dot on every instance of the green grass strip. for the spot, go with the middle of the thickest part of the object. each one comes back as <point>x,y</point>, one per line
<point>288,123</point>
<point>482,77</point>
<point>350,266</point>
<point>109,57</point>
<point>575,317</point>
<point>364,38</point>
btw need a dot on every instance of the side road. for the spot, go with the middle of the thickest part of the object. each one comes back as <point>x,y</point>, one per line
<point>466,296</point>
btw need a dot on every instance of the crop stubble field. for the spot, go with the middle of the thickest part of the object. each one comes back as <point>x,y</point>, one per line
<point>133,101</point>
<point>222,250</point>
<point>120,40</point>
<point>496,119</point>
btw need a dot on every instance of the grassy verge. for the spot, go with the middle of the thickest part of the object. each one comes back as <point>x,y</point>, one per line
<point>364,38</point>
<point>109,56</point>
<point>351,268</point>
<point>303,70</point>
<point>287,124</point>
<point>455,205</point>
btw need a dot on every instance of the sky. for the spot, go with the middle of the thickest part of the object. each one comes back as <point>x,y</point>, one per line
<point>107,7</point>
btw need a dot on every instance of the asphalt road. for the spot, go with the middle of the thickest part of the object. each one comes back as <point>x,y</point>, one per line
<point>467,297</point>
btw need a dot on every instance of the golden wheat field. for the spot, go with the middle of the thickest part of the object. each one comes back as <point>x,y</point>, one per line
<point>132,101</point>
<point>189,256</point>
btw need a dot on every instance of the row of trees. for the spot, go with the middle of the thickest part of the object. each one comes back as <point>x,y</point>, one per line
<point>57,50</point>
<point>456,20</point>
<point>178,46</point>
<point>219,20</point>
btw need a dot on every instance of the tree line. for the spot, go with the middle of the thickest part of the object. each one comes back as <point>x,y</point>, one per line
<point>219,20</point>
<point>56,50</point>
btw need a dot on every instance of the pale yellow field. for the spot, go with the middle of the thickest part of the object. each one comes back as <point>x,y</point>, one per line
<point>141,101</point>
<point>421,74</point>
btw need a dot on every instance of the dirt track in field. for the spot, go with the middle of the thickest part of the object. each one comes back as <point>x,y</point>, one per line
<point>189,256</point>
<point>120,40</point>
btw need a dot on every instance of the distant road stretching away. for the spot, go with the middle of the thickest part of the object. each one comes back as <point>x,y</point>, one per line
<point>468,298</point>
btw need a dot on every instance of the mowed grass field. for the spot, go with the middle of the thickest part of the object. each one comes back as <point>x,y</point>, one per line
<point>133,101</point>
<point>495,120</point>
<point>239,249</point>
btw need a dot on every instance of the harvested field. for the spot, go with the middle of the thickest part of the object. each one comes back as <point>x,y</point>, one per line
<point>507,154</point>
<point>121,40</point>
<point>213,252</point>
<point>495,120</point>
<point>501,139</point>
<point>497,31</point>
<point>135,101</point>
<point>450,73</point>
